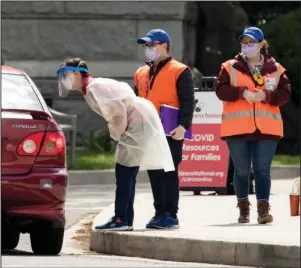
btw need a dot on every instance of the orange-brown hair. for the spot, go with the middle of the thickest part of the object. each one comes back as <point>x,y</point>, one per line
<point>265,48</point>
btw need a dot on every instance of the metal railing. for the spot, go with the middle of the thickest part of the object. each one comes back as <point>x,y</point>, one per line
<point>68,128</point>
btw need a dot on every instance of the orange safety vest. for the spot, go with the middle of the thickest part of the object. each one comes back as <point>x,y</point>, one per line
<point>241,117</point>
<point>164,89</point>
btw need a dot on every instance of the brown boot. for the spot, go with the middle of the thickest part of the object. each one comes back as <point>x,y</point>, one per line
<point>244,211</point>
<point>264,216</point>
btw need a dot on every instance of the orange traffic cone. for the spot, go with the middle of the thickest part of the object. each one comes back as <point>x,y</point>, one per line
<point>295,198</point>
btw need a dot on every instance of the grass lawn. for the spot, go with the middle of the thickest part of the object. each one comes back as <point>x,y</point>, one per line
<point>89,160</point>
<point>286,160</point>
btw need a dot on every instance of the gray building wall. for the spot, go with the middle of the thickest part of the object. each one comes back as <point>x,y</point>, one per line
<point>37,36</point>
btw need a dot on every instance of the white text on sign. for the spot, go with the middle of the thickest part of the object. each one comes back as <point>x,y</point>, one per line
<point>208,149</point>
<point>202,137</point>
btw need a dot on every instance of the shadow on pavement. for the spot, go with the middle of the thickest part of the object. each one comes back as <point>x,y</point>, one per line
<point>235,224</point>
<point>15,252</point>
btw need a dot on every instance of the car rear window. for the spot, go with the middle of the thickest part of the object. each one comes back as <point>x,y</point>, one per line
<point>17,93</point>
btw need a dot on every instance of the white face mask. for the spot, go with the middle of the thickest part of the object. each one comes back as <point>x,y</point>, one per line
<point>151,53</point>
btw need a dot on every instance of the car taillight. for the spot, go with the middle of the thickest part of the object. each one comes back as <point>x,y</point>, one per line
<point>53,145</point>
<point>30,146</point>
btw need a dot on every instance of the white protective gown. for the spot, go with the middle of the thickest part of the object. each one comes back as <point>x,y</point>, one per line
<point>133,122</point>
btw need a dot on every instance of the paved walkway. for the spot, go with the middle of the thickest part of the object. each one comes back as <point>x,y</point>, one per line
<point>210,233</point>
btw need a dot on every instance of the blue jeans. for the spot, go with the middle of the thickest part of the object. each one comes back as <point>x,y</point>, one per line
<point>125,192</point>
<point>261,153</point>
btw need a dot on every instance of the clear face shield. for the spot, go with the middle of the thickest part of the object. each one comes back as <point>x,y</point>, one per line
<point>65,77</point>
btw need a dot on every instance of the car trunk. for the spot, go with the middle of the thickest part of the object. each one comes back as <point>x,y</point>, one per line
<point>16,126</point>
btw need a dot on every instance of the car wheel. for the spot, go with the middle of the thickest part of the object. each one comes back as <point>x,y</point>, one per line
<point>47,239</point>
<point>9,238</point>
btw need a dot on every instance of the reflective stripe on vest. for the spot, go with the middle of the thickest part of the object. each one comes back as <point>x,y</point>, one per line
<point>251,113</point>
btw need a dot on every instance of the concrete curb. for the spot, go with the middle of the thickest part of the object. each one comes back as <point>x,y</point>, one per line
<point>84,177</point>
<point>189,250</point>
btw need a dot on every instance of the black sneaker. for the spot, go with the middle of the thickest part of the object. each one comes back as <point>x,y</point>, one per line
<point>114,224</point>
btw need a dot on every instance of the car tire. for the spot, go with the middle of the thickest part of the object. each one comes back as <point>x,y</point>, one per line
<point>9,238</point>
<point>47,239</point>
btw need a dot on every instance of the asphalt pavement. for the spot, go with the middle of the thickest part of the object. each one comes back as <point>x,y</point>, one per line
<point>81,201</point>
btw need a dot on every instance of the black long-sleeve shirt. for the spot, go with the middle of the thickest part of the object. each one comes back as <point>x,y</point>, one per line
<point>185,90</point>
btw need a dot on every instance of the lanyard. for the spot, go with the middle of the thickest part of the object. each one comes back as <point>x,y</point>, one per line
<point>151,80</point>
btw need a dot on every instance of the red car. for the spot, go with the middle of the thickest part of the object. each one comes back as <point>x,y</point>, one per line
<point>34,177</point>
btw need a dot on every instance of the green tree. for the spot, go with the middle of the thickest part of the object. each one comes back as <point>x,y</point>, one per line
<point>283,35</point>
<point>263,12</point>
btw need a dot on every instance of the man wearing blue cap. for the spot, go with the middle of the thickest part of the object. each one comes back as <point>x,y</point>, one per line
<point>163,80</point>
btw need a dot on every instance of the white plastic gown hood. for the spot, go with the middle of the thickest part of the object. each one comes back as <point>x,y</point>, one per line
<point>133,122</point>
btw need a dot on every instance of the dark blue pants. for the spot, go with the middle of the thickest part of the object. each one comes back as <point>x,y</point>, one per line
<point>125,192</point>
<point>165,185</point>
<point>261,153</point>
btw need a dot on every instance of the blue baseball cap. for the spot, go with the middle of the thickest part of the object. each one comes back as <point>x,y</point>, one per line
<point>254,33</point>
<point>155,35</point>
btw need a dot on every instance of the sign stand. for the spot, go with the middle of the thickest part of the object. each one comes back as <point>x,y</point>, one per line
<point>205,158</point>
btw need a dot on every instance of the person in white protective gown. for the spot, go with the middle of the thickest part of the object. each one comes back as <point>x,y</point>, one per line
<point>132,121</point>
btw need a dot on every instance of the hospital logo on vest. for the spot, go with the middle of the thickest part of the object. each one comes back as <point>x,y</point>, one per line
<point>198,106</point>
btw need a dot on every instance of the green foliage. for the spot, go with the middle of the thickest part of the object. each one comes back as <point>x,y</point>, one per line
<point>258,12</point>
<point>100,141</point>
<point>93,160</point>
<point>283,35</point>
